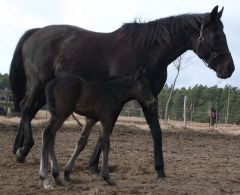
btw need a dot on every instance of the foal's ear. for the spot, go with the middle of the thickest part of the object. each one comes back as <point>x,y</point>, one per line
<point>215,15</point>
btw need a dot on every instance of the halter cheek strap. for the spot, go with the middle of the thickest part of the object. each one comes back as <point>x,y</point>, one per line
<point>213,54</point>
<point>201,38</point>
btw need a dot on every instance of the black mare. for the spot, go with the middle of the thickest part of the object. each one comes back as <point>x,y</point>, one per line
<point>98,101</point>
<point>45,53</point>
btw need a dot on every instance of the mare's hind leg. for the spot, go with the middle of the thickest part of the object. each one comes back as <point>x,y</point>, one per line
<point>27,112</point>
<point>20,135</point>
<point>94,160</point>
<point>79,147</point>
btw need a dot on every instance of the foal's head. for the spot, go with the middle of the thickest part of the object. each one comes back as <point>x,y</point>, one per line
<point>210,44</point>
<point>140,89</point>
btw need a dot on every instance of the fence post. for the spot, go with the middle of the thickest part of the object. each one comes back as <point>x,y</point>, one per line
<point>184,110</point>
<point>226,120</point>
<point>216,115</point>
<point>141,113</point>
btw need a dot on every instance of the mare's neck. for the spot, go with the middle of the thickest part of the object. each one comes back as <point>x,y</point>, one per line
<point>182,31</point>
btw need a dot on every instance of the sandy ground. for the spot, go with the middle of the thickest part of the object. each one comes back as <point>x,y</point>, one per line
<point>198,160</point>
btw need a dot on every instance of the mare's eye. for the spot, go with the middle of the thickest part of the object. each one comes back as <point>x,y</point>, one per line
<point>217,36</point>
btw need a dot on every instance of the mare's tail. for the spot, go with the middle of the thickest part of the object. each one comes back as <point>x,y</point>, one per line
<point>17,77</point>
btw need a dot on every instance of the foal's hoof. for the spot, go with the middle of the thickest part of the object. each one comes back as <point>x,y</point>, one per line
<point>94,170</point>
<point>58,181</point>
<point>109,181</point>
<point>47,185</point>
<point>67,176</point>
<point>20,156</point>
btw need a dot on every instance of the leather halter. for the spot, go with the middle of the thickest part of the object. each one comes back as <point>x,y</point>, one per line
<point>213,54</point>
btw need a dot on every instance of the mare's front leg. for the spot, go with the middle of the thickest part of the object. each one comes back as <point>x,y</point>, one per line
<point>151,115</point>
<point>79,147</point>
<point>105,145</point>
<point>48,142</point>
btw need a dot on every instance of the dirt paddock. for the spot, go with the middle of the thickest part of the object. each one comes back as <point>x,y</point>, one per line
<point>197,160</point>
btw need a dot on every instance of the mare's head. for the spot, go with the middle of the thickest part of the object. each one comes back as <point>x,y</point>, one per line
<point>210,45</point>
<point>140,89</point>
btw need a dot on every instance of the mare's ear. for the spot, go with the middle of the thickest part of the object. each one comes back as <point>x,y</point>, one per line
<point>215,15</point>
<point>220,13</point>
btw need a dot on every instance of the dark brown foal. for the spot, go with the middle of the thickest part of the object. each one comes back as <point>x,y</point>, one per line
<point>98,101</point>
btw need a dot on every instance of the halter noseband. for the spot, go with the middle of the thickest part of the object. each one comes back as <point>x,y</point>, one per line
<point>213,54</point>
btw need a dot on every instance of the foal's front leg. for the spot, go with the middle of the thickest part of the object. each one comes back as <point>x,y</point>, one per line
<point>79,147</point>
<point>93,163</point>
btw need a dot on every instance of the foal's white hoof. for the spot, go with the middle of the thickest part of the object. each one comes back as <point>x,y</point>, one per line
<point>47,184</point>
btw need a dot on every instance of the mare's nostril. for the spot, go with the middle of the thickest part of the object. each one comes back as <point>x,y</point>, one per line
<point>229,69</point>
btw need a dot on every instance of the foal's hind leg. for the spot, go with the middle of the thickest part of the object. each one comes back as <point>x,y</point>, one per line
<point>48,136</point>
<point>54,163</point>
<point>79,147</point>
<point>94,160</point>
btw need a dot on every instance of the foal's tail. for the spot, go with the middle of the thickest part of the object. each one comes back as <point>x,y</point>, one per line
<point>17,77</point>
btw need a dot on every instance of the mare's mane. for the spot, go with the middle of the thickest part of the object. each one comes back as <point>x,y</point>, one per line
<point>163,30</point>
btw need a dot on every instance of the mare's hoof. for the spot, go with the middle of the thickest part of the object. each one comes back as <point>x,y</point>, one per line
<point>109,181</point>
<point>161,175</point>
<point>20,156</point>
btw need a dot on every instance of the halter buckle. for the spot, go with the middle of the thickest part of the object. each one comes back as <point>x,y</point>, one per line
<point>200,39</point>
<point>214,54</point>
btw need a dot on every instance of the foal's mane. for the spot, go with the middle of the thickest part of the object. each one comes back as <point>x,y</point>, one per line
<point>162,30</point>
